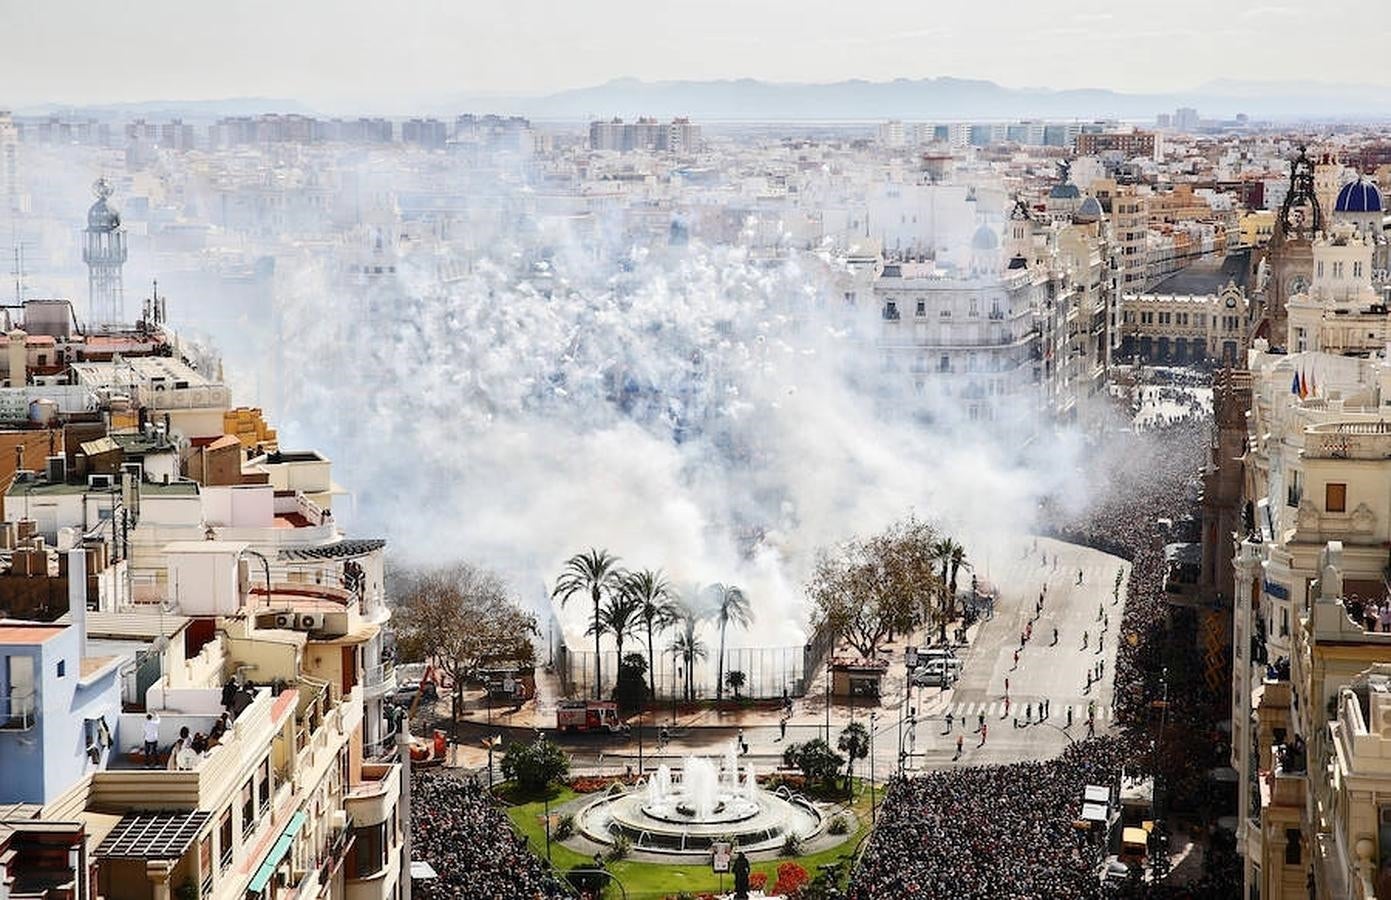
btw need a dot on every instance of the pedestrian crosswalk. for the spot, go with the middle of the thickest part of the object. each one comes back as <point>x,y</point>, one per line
<point>996,710</point>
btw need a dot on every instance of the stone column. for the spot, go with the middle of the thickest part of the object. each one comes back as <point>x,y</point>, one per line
<point>158,871</point>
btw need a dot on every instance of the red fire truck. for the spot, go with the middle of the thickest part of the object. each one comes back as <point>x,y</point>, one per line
<point>588,715</point>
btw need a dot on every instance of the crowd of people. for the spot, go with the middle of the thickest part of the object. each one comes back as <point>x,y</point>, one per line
<point>991,831</point>
<point>461,832</point>
<point>1011,831</point>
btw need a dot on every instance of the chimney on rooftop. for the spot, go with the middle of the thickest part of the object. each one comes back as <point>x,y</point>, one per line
<point>77,594</point>
<point>19,375</point>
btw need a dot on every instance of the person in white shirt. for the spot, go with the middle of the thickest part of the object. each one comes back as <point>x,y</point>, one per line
<point>151,740</point>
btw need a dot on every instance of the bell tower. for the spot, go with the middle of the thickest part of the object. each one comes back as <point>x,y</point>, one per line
<point>1291,254</point>
<point>104,252</point>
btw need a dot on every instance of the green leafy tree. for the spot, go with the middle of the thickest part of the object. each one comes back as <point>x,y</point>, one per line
<point>461,618</point>
<point>596,573</point>
<point>816,759</point>
<point>631,690</point>
<point>657,610</point>
<point>535,765</point>
<point>865,590</point>
<point>734,680</point>
<point>731,605</point>
<point>854,743</point>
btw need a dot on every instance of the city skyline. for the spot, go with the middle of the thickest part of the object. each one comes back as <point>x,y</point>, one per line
<point>318,53</point>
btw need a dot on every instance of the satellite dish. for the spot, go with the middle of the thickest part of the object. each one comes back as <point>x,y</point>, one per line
<point>161,644</point>
<point>168,605</point>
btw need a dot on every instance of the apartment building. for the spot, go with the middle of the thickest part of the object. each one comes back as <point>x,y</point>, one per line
<point>1199,314</point>
<point>1316,466</point>
<point>1020,333</point>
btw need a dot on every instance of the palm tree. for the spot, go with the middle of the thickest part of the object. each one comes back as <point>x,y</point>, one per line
<point>597,572</point>
<point>958,562</point>
<point>941,554</point>
<point>657,611</point>
<point>736,680</point>
<point>731,605</point>
<point>618,617</point>
<point>690,647</point>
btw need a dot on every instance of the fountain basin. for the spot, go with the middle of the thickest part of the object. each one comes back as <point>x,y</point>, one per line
<point>764,825</point>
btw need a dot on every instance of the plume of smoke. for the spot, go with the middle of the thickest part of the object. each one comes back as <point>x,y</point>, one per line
<point>690,407</point>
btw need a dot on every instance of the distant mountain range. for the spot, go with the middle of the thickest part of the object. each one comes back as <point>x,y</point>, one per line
<point>931,98</point>
<point>170,109</point>
<point>753,100</point>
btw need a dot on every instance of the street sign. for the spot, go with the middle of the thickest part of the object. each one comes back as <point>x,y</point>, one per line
<point>912,657</point>
<point>720,854</point>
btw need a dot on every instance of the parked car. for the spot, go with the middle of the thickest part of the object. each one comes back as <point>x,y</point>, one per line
<point>408,678</point>
<point>938,672</point>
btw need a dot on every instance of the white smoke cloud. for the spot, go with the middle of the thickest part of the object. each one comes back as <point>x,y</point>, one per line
<point>693,408</point>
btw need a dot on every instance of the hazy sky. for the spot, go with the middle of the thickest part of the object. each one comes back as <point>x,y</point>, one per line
<point>395,53</point>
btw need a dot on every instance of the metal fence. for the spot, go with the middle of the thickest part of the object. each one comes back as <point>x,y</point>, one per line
<point>769,672</point>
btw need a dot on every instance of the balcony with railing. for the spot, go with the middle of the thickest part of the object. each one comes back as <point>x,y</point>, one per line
<point>209,776</point>
<point>377,681</point>
<point>373,799</point>
<point>334,851</point>
<point>19,710</point>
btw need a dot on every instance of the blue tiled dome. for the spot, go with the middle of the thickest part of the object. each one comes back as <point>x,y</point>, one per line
<point>985,238</point>
<point>1064,191</point>
<point>1358,197</point>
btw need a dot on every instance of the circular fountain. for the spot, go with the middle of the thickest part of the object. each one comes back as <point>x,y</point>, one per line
<point>685,811</point>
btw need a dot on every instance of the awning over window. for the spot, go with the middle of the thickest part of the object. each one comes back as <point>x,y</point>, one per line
<point>160,835</point>
<point>277,853</point>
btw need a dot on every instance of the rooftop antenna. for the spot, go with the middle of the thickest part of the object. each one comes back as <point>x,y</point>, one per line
<point>18,268</point>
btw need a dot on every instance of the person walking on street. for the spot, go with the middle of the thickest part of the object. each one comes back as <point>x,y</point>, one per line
<point>980,722</point>
<point>959,739</point>
<point>1069,718</point>
<point>1006,685</point>
<point>1055,636</point>
<point>782,728</point>
<point>1028,713</point>
<point>1016,660</point>
<point>949,718</point>
<point>1079,576</point>
<point>1084,640</point>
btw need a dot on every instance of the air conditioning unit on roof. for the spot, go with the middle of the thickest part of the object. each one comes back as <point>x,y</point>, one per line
<point>310,621</point>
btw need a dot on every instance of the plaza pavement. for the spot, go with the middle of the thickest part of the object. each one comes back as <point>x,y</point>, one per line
<point>1045,671</point>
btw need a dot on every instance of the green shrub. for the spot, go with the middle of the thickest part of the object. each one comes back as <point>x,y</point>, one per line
<point>535,765</point>
<point>620,849</point>
<point>792,844</point>
<point>564,827</point>
<point>839,825</point>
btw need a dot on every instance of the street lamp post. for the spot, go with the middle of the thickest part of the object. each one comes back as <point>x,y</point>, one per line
<point>828,702</point>
<point>873,717</point>
<point>547,799</point>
